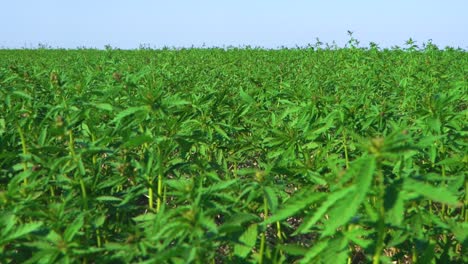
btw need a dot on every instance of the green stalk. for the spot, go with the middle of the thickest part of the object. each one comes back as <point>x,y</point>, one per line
<point>442,168</point>
<point>466,201</point>
<point>164,199</point>
<point>349,228</point>
<point>263,237</point>
<point>150,195</point>
<point>93,140</point>
<point>83,193</point>
<point>160,193</point>
<point>381,221</point>
<point>98,238</point>
<point>235,170</point>
<point>278,233</point>
<point>25,152</point>
<point>149,178</point>
<point>345,146</point>
<point>71,147</point>
<point>160,183</point>
<point>380,122</point>
<point>278,252</point>
<point>444,206</point>
<point>414,255</point>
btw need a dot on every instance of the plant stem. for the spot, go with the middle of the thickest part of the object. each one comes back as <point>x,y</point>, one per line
<point>98,238</point>
<point>381,221</point>
<point>278,233</point>
<point>71,145</point>
<point>414,255</point>
<point>466,201</point>
<point>444,206</point>
<point>83,193</point>
<point>25,152</point>
<point>150,195</point>
<point>263,237</point>
<point>345,150</point>
<point>160,192</point>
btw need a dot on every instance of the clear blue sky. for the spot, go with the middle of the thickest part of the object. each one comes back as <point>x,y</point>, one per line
<point>127,24</point>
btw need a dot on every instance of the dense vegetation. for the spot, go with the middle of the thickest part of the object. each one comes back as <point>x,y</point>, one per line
<point>306,155</point>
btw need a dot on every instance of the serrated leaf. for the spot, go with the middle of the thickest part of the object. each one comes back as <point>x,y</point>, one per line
<point>460,230</point>
<point>129,111</point>
<point>208,223</point>
<point>271,198</point>
<point>314,252</point>
<point>22,95</point>
<point>99,221</point>
<point>247,241</point>
<point>222,185</point>
<point>2,126</point>
<point>322,210</point>
<point>394,205</point>
<point>398,237</point>
<point>358,236</point>
<point>315,132</point>
<point>439,194</point>
<point>175,102</point>
<point>108,199</point>
<point>238,221</point>
<point>72,229</point>
<point>337,251</point>
<point>434,124</point>
<point>221,132</point>
<point>52,236</point>
<point>7,223</point>
<point>295,204</point>
<point>348,206</point>
<point>365,170</point>
<point>137,141</point>
<point>144,217</point>
<point>20,231</point>
<point>104,106</point>
<point>292,249</point>
<point>246,97</point>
